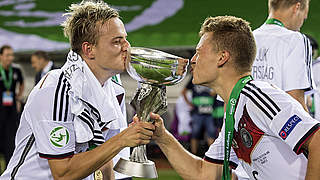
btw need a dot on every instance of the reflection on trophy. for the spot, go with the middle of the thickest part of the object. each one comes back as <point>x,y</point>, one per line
<point>154,70</point>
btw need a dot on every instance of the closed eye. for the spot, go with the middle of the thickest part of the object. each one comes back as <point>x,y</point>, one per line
<point>118,39</point>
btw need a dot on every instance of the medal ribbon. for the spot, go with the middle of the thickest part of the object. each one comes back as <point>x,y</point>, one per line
<point>274,21</point>
<point>7,82</point>
<point>229,123</point>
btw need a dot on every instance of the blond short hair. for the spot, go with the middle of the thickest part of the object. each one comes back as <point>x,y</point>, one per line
<point>284,4</point>
<point>234,35</point>
<point>84,21</point>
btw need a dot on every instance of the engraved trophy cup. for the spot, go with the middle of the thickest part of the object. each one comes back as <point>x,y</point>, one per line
<point>154,70</point>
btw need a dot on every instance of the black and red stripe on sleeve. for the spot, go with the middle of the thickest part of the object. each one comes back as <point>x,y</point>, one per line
<point>298,147</point>
<point>218,161</point>
<point>56,156</point>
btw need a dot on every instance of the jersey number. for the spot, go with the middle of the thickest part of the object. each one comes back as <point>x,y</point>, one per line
<point>255,173</point>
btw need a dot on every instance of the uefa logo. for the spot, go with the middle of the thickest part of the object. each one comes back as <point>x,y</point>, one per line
<point>283,134</point>
<point>59,136</point>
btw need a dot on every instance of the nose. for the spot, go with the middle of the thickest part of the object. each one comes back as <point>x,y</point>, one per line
<point>194,58</point>
<point>126,45</point>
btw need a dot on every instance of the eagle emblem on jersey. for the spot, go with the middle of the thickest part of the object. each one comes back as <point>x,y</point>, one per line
<point>246,137</point>
<point>59,136</point>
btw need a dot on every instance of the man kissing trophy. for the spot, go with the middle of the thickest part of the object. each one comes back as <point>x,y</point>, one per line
<point>154,70</point>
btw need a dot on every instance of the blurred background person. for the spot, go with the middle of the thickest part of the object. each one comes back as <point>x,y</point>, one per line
<point>202,122</point>
<point>42,64</point>
<point>11,90</point>
<point>181,124</point>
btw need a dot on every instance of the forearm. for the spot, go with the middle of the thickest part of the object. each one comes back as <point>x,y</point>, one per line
<point>187,165</point>
<point>313,169</point>
<point>298,94</point>
<point>83,164</point>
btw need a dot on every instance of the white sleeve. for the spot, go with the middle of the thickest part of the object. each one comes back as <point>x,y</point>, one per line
<point>293,124</point>
<point>54,136</point>
<point>215,154</point>
<point>297,73</point>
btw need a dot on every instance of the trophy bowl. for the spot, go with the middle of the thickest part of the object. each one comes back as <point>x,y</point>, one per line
<point>156,67</point>
<point>154,70</point>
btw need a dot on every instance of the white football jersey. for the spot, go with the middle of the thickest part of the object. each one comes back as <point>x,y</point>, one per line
<point>47,131</point>
<point>283,58</point>
<point>270,129</point>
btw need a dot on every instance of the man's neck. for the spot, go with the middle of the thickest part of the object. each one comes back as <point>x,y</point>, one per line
<point>101,75</point>
<point>225,85</point>
<point>6,67</point>
<point>283,17</point>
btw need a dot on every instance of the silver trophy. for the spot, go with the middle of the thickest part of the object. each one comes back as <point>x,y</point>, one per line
<point>154,70</point>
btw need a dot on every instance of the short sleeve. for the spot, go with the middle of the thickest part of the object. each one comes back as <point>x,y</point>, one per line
<point>54,140</point>
<point>293,124</point>
<point>296,70</point>
<point>215,154</point>
<point>54,137</point>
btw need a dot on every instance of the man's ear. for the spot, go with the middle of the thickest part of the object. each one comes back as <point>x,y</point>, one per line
<point>296,7</point>
<point>224,57</point>
<point>88,50</point>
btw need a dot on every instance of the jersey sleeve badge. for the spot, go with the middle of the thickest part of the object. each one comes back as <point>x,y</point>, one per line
<point>59,136</point>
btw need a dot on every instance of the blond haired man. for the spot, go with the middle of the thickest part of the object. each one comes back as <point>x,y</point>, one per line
<point>284,55</point>
<point>61,134</point>
<point>266,130</point>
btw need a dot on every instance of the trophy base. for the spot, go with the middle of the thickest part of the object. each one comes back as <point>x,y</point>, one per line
<point>130,168</point>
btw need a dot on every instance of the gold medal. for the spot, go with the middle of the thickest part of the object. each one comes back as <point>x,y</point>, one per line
<point>98,175</point>
<point>8,92</point>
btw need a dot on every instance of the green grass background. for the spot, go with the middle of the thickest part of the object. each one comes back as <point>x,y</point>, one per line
<point>178,30</point>
<point>164,174</point>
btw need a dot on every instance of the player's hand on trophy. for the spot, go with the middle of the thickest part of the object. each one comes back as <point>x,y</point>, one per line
<point>137,133</point>
<point>160,130</point>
